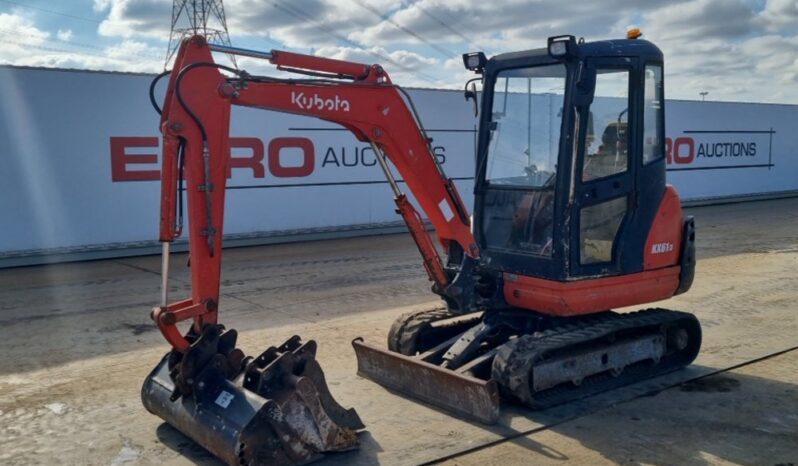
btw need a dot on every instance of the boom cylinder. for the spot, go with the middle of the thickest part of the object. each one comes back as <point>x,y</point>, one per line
<point>432,260</point>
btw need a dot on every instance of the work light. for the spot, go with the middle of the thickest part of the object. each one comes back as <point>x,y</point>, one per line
<point>475,61</point>
<point>561,46</point>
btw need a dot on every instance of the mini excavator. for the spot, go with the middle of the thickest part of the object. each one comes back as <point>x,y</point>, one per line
<point>568,224</point>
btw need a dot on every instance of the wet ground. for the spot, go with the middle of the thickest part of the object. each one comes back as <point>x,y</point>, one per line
<point>76,343</point>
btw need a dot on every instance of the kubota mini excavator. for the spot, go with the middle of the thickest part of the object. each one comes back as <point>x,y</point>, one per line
<point>568,224</point>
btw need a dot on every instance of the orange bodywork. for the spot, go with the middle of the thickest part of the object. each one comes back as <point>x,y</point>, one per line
<point>592,294</point>
<point>664,243</point>
<point>658,281</point>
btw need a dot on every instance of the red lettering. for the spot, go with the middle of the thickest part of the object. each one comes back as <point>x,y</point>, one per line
<point>678,156</point>
<point>308,157</point>
<point>120,159</point>
<point>255,161</point>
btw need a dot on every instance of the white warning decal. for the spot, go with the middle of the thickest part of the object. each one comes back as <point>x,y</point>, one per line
<point>224,399</point>
<point>445,209</point>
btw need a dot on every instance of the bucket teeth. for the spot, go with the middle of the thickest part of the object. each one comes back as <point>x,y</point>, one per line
<point>273,409</point>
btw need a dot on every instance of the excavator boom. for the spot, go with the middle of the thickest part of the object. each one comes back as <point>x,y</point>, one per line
<point>206,386</point>
<point>195,125</point>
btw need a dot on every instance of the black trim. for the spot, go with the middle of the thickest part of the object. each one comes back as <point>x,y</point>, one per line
<point>730,132</point>
<point>427,130</point>
<point>770,148</point>
<point>620,185</point>
<point>687,256</point>
<point>339,183</point>
<point>761,165</point>
<point>550,267</point>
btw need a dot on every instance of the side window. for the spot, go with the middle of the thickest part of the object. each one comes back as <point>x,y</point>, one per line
<point>607,141</point>
<point>653,114</point>
<point>598,227</point>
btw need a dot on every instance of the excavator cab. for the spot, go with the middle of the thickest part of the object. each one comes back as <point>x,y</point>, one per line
<point>571,170</point>
<point>572,218</point>
<point>571,167</point>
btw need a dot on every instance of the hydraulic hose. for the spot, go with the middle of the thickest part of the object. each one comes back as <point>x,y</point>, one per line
<point>152,90</point>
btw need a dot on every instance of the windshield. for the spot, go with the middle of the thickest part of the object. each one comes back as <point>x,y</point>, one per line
<point>525,126</point>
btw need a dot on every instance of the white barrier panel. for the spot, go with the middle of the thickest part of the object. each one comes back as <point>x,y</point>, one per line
<point>80,161</point>
<point>719,149</point>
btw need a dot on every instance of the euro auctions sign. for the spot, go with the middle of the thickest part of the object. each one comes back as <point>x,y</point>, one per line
<point>279,157</point>
<point>718,149</point>
<point>80,154</point>
<point>723,149</point>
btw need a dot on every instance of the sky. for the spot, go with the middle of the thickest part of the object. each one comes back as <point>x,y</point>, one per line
<point>735,50</point>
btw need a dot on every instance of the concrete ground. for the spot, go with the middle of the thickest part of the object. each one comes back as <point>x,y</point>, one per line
<point>744,416</point>
<point>76,343</point>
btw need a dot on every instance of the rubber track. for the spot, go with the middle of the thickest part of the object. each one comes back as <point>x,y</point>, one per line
<point>515,360</point>
<point>406,329</point>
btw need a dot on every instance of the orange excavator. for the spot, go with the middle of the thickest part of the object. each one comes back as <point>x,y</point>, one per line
<point>565,228</point>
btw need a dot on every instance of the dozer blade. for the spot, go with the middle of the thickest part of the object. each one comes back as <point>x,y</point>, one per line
<point>461,394</point>
<point>275,409</point>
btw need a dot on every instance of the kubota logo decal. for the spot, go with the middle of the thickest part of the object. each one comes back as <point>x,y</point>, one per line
<point>307,102</point>
<point>659,248</point>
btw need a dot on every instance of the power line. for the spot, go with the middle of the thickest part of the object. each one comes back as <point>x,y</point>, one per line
<point>443,51</point>
<point>298,13</point>
<point>73,43</point>
<point>53,12</point>
<point>445,25</point>
<point>50,49</point>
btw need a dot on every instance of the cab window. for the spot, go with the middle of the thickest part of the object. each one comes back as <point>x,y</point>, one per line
<point>607,142</point>
<point>653,148</point>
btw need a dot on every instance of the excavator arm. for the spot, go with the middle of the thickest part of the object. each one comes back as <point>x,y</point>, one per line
<point>195,125</point>
<point>276,408</point>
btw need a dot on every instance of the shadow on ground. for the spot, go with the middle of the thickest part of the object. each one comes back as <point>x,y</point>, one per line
<point>190,450</point>
<point>729,417</point>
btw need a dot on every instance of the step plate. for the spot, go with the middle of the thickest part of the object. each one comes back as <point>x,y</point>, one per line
<point>463,395</point>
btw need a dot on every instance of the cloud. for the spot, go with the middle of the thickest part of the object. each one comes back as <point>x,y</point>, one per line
<point>736,49</point>
<point>406,68</point>
<point>17,26</point>
<point>27,45</point>
<point>702,19</point>
<point>126,56</point>
<point>135,18</point>
<point>101,5</point>
<point>64,34</point>
<point>19,35</point>
<point>780,13</point>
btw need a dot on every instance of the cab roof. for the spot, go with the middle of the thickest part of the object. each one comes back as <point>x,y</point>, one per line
<point>602,48</point>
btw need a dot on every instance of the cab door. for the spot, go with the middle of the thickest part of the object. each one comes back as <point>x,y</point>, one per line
<point>604,195</point>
